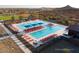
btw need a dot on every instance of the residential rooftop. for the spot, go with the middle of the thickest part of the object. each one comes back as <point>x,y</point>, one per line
<point>74,27</point>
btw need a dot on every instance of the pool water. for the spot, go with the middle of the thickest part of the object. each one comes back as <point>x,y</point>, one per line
<point>46,31</point>
<point>24,26</point>
<point>40,33</point>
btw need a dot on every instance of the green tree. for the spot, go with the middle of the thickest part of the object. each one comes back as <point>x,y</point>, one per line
<point>21,18</point>
<point>13,18</point>
<point>30,17</point>
<point>65,22</point>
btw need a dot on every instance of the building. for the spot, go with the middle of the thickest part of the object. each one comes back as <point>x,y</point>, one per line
<point>74,30</point>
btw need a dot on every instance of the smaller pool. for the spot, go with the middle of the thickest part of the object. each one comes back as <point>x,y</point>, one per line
<point>46,31</point>
<point>24,26</point>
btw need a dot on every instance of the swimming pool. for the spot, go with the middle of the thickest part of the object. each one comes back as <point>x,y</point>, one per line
<point>46,31</point>
<point>36,36</point>
<point>23,26</point>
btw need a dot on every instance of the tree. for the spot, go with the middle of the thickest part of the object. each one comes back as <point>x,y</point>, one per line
<point>65,22</point>
<point>30,17</point>
<point>13,18</point>
<point>21,18</point>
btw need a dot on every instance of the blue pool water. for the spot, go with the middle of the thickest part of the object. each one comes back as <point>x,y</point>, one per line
<point>41,33</point>
<point>48,30</point>
<point>24,26</point>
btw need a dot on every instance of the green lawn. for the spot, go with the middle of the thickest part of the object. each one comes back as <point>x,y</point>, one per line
<point>8,17</point>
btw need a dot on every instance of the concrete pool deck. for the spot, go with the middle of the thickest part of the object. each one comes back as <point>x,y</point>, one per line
<point>20,26</point>
<point>59,32</point>
<point>27,35</point>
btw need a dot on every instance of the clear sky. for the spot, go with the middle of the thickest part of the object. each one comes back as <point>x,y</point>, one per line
<point>41,3</point>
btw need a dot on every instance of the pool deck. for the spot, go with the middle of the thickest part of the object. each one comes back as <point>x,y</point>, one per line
<point>19,29</point>
<point>60,32</point>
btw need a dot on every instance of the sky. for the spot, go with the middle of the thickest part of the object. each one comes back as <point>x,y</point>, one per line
<point>39,3</point>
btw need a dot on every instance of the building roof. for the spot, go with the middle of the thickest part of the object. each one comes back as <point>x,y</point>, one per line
<point>74,27</point>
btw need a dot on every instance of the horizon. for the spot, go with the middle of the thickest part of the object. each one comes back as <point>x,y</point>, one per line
<point>33,6</point>
<point>38,3</point>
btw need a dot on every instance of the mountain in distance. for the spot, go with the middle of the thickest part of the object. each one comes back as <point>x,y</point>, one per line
<point>68,7</point>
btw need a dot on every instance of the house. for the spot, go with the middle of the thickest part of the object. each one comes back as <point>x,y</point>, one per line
<point>74,30</point>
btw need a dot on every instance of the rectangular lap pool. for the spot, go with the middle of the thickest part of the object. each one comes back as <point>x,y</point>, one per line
<point>46,31</point>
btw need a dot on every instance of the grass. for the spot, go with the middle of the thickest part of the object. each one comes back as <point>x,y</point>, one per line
<point>8,17</point>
